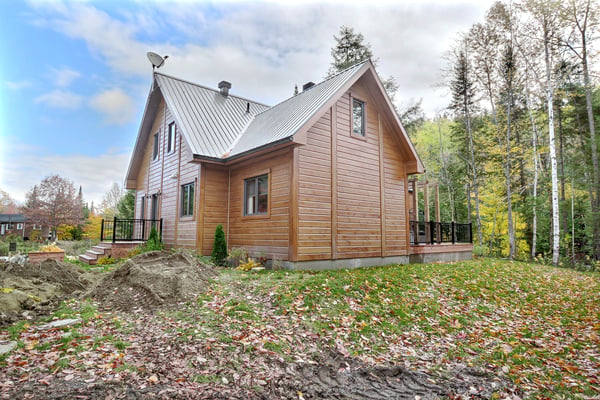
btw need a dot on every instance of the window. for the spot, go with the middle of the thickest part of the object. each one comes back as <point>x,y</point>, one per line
<point>256,195</point>
<point>155,149</point>
<point>358,117</point>
<point>187,200</point>
<point>171,138</point>
<point>20,227</point>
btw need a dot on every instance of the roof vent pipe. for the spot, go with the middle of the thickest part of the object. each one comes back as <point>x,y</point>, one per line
<point>224,87</point>
<point>307,86</point>
<point>247,108</point>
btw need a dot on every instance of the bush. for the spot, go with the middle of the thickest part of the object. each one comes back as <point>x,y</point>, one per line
<point>237,256</point>
<point>154,243</point>
<point>106,260</point>
<point>219,252</point>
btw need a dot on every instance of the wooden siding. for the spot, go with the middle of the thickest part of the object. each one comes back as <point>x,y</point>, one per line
<point>163,177</point>
<point>351,190</point>
<point>213,205</point>
<point>263,235</point>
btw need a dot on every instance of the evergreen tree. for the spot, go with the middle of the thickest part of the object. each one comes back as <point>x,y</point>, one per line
<point>219,252</point>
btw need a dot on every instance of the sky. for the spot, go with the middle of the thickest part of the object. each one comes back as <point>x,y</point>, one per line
<point>74,76</point>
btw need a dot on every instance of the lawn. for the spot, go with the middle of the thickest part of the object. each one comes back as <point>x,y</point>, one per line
<point>534,326</point>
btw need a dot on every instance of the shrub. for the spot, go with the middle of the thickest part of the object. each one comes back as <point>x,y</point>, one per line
<point>154,243</point>
<point>219,252</point>
<point>237,256</point>
<point>248,265</point>
<point>106,260</point>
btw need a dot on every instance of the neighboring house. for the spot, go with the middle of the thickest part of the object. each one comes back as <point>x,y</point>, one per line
<point>320,180</point>
<point>18,225</point>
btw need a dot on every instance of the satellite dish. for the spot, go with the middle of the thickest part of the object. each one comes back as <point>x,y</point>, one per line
<point>156,60</point>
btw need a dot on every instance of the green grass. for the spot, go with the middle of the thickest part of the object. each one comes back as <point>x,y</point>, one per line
<point>541,323</point>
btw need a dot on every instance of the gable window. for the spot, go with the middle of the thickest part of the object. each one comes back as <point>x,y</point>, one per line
<point>187,200</point>
<point>171,138</point>
<point>256,195</point>
<point>358,117</point>
<point>155,148</point>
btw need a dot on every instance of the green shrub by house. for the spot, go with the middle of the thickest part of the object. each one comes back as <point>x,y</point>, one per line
<point>219,252</point>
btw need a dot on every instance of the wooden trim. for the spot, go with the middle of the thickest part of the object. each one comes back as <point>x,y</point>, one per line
<point>293,207</point>
<point>178,196</point>
<point>334,200</point>
<point>382,214</point>
<point>200,209</point>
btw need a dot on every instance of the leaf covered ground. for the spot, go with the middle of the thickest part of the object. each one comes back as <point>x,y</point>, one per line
<point>479,329</point>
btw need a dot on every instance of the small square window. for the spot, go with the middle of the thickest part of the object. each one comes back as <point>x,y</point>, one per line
<point>155,148</point>
<point>187,200</point>
<point>358,117</point>
<point>171,138</point>
<point>256,195</point>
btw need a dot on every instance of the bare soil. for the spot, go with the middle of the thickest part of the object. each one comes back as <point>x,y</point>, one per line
<point>153,280</point>
<point>159,280</point>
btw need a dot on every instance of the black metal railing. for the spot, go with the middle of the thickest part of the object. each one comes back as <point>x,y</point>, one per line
<point>129,230</point>
<point>423,232</point>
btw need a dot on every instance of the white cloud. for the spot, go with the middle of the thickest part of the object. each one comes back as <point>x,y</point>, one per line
<point>117,107</point>
<point>64,76</point>
<point>94,173</point>
<point>60,99</point>
<point>18,85</point>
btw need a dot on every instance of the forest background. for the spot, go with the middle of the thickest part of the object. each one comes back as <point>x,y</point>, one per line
<point>515,153</point>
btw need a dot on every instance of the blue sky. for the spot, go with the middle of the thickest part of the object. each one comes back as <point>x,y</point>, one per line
<point>74,74</point>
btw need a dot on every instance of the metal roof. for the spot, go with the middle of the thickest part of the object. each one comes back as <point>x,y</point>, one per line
<point>209,121</point>
<point>285,119</point>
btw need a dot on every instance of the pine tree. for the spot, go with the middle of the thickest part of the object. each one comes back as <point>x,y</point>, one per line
<point>219,252</point>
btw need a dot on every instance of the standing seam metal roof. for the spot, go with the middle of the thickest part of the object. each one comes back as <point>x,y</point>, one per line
<point>209,121</point>
<point>285,119</point>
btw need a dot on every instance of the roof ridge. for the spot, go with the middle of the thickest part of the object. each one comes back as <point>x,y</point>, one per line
<point>320,83</point>
<point>209,88</point>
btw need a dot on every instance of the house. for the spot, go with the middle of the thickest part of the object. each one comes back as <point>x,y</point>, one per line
<point>18,225</point>
<point>320,180</point>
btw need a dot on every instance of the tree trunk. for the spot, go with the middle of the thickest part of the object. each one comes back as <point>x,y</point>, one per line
<point>552,145</point>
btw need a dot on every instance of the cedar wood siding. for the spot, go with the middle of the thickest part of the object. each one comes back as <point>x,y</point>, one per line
<point>269,234</point>
<point>155,177</point>
<point>340,181</point>
<point>213,205</point>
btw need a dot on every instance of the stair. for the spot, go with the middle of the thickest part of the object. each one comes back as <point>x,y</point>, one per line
<point>92,255</point>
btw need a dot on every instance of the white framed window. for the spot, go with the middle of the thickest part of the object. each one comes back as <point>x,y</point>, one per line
<point>187,200</point>
<point>358,117</point>
<point>256,195</point>
<point>171,138</point>
<point>155,147</point>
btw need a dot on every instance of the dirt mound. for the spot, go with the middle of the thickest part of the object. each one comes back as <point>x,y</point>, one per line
<point>27,290</point>
<point>151,280</point>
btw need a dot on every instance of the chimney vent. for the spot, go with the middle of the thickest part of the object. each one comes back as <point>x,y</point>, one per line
<point>224,87</point>
<point>307,86</point>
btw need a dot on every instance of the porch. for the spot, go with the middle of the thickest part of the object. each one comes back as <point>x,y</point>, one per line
<point>119,236</point>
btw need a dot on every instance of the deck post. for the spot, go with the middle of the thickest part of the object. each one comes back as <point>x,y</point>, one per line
<point>431,231</point>
<point>453,233</point>
<point>102,230</point>
<point>114,229</point>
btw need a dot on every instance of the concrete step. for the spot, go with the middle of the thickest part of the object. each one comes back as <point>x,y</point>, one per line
<point>90,260</point>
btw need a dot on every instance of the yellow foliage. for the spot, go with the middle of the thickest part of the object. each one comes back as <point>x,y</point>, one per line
<point>92,227</point>
<point>51,248</point>
<point>63,232</point>
<point>6,290</point>
<point>247,266</point>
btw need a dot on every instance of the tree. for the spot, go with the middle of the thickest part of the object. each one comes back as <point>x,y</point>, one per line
<point>584,16</point>
<point>110,202</point>
<point>463,104</point>
<point>126,205</point>
<point>219,252</point>
<point>350,49</point>
<point>54,202</point>
<point>7,204</point>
